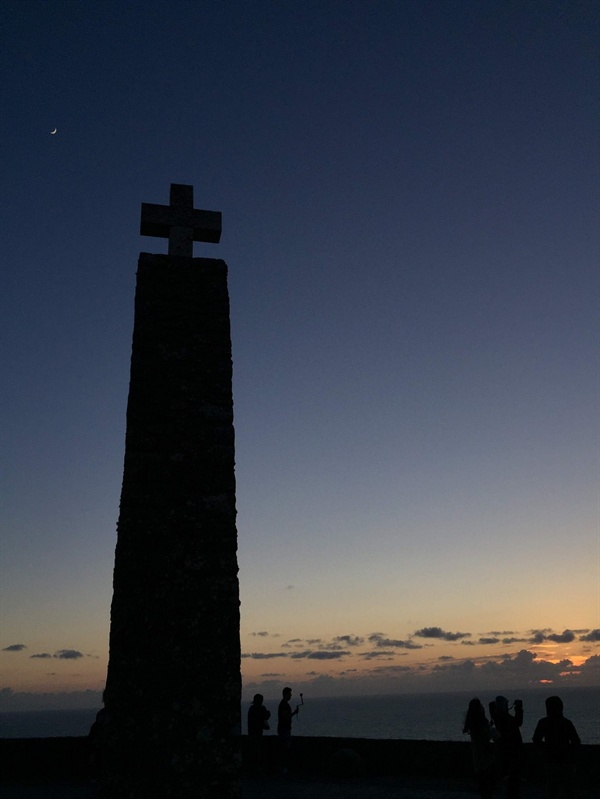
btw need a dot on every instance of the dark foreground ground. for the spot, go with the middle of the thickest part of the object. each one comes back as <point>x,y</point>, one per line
<point>320,768</point>
<point>291,788</point>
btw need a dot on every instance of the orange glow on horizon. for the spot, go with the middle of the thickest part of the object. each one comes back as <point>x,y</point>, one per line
<point>578,660</point>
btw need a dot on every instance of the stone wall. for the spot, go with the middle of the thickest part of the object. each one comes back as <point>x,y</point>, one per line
<point>173,688</point>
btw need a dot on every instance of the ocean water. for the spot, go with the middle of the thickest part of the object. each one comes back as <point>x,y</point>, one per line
<point>46,723</point>
<point>434,717</point>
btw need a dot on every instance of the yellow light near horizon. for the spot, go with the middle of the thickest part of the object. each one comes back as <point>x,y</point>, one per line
<point>578,660</point>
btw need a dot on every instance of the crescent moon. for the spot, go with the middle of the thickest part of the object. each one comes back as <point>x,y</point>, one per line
<point>52,132</point>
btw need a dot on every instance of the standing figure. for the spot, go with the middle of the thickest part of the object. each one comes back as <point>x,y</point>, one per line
<point>509,742</point>
<point>558,739</point>
<point>284,727</point>
<point>484,762</point>
<point>258,720</point>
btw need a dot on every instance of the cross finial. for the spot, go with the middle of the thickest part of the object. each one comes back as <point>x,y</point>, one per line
<point>180,222</point>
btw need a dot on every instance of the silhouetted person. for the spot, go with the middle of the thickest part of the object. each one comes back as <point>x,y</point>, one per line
<point>258,720</point>
<point>509,742</point>
<point>484,761</point>
<point>284,726</point>
<point>558,739</point>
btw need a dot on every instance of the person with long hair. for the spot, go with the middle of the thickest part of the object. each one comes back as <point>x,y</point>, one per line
<point>509,742</point>
<point>484,762</point>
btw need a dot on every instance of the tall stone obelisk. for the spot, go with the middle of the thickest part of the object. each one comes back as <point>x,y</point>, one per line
<point>173,688</point>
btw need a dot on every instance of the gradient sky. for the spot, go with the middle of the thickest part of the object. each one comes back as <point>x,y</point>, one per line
<point>410,219</point>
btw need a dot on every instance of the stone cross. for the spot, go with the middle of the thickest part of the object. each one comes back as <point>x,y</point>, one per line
<point>180,222</point>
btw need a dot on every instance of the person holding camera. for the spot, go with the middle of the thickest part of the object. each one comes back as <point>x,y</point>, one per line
<point>509,742</point>
<point>284,727</point>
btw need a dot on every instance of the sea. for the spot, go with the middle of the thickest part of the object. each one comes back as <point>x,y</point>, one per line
<point>433,717</point>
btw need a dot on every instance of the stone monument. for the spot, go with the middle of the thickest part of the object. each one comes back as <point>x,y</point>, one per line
<point>173,691</point>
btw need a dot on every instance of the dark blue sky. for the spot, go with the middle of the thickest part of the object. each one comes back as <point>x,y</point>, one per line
<point>410,218</point>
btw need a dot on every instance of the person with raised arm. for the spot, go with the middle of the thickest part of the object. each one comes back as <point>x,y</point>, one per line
<point>284,727</point>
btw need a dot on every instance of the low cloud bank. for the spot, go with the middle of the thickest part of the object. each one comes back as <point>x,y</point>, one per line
<point>516,672</point>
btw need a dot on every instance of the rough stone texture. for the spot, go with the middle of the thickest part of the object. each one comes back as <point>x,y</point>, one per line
<point>174,687</point>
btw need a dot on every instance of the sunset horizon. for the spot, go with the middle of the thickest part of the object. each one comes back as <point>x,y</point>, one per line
<point>409,203</point>
<point>343,666</point>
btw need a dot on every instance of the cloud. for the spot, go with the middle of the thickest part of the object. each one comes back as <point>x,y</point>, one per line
<point>68,654</point>
<point>41,655</point>
<point>392,670</point>
<point>320,654</point>
<point>336,644</point>
<point>461,666</point>
<point>265,655</point>
<point>379,639</point>
<point>528,668</point>
<point>378,654</point>
<point>349,640</point>
<point>380,672</point>
<point>539,636</point>
<point>14,648</point>
<point>564,638</point>
<point>593,663</point>
<point>437,632</point>
<point>399,644</point>
<point>515,673</point>
<point>323,651</point>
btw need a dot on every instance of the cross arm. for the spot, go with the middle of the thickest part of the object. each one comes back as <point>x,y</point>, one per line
<point>158,220</point>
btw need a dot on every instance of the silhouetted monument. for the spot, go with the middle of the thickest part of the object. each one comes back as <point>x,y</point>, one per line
<point>173,688</point>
